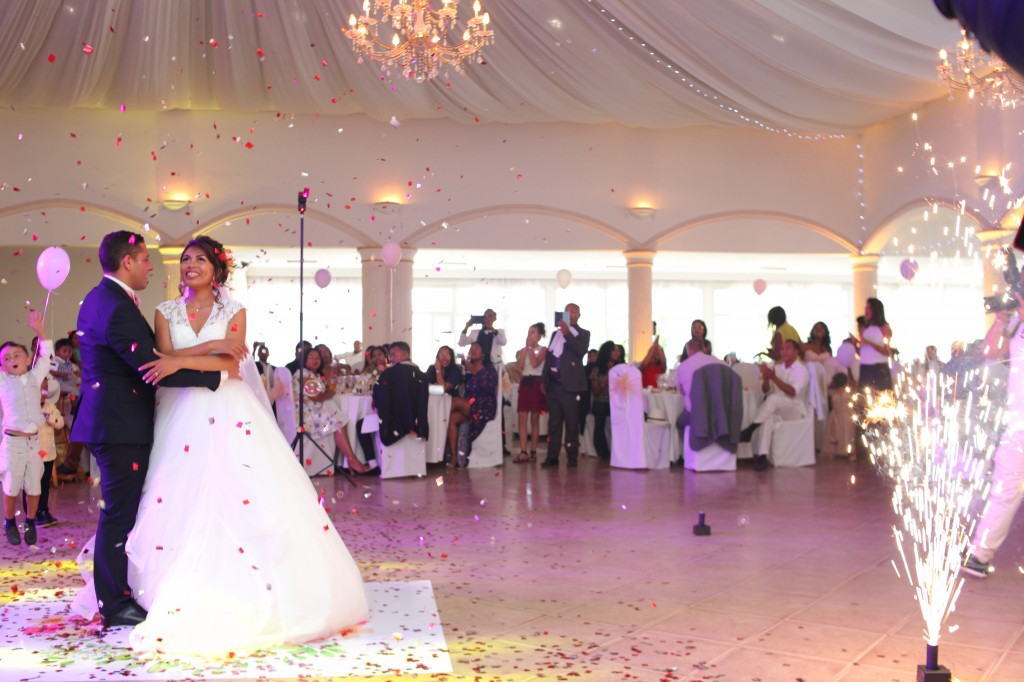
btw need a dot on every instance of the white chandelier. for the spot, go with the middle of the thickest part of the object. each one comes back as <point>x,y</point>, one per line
<point>984,77</point>
<point>421,40</point>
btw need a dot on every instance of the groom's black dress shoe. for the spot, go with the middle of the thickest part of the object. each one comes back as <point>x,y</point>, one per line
<point>133,614</point>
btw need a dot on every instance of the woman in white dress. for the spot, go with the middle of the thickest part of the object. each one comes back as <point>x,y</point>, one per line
<point>231,550</point>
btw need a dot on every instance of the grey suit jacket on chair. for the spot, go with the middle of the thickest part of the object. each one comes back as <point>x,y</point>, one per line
<point>571,372</point>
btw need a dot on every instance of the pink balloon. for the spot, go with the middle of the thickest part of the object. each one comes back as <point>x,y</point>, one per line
<point>908,268</point>
<point>759,286</point>
<point>391,253</point>
<point>52,267</point>
<point>322,278</point>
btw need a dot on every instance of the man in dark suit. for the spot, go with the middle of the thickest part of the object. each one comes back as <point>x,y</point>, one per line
<point>565,379</point>
<point>400,397</point>
<point>115,413</point>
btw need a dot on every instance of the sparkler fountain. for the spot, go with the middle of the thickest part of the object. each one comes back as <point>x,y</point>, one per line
<point>934,437</point>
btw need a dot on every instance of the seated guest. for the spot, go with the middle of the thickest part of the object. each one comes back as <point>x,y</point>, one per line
<point>300,349</point>
<point>320,416</point>
<point>819,349</point>
<point>490,339</point>
<point>653,365</point>
<point>266,370</point>
<point>781,331</point>
<point>376,360</point>
<point>355,360</point>
<point>531,401</point>
<point>400,397</point>
<point>696,357</point>
<point>786,385</point>
<point>479,406</point>
<point>444,371</point>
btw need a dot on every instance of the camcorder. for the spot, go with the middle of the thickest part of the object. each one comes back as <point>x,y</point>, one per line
<point>1007,300</point>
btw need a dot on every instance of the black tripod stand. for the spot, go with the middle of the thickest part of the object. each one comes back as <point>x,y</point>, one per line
<point>300,430</point>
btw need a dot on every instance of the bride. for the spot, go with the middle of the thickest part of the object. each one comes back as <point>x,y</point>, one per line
<point>231,550</point>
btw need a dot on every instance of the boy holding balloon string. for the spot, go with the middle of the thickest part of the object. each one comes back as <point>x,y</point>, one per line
<point>21,460</point>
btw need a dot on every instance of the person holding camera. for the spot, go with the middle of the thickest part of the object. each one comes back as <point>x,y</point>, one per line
<point>490,339</point>
<point>1003,342</point>
<point>564,381</point>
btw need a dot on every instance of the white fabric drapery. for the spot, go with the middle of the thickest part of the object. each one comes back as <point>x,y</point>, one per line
<point>805,65</point>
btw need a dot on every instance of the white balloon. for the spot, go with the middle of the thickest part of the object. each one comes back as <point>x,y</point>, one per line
<point>563,277</point>
<point>846,355</point>
<point>52,267</point>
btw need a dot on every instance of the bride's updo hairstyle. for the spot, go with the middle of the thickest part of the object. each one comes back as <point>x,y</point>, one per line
<point>218,256</point>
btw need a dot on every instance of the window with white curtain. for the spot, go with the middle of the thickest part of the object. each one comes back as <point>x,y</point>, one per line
<point>332,315</point>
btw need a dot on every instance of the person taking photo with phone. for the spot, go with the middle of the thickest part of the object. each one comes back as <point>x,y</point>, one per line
<point>490,339</point>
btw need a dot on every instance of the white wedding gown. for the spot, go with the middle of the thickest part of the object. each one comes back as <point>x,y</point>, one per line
<point>231,550</point>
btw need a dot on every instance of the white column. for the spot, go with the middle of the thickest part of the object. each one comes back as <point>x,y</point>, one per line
<point>865,279</point>
<point>376,306</point>
<point>401,298</point>
<point>171,258</point>
<point>639,265</point>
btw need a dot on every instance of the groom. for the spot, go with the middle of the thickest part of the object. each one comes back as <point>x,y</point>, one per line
<point>115,414</point>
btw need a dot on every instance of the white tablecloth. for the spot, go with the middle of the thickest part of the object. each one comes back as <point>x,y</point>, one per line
<point>439,409</point>
<point>353,408</point>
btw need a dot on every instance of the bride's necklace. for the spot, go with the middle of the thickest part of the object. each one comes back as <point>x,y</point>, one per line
<point>193,308</point>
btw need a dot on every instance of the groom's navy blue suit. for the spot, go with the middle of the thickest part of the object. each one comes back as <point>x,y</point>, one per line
<point>115,419</point>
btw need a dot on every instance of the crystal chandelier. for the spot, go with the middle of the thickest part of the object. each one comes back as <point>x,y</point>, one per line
<point>983,76</point>
<point>421,41</point>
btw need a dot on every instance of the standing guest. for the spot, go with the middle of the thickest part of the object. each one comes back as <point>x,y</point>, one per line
<point>699,331</point>
<point>444,371</point>
<point>781,331</point>
<point>300,349</point>
<point>786,387</point>
<point>564,380</point>
<point>653,365</point>
<point>585,397</point>
<point>52,424</point>
<point>490,339</point>
<point>931,359</point>
<point>874,349</point>
<point>479,406</point>
<point>20,396</point>
<point>608,356</point>
<point>275,390</point>
<point>531,402</point>
<point>320,416</point>
<point>1003,342</point>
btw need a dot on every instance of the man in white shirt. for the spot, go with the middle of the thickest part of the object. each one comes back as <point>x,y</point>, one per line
<point>696,358</point>
<point>786,385</point>
<point>490,339</point>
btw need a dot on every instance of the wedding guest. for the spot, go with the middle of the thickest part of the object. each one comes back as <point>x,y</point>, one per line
<point>53,423</point>
<point>931,359</point>
<point>479,406</point>
<point>275,389</point>
<point>696,358</point>
<point>819,349</point>
<point>840,429</point>
<point>400,398</point>
<point>608,355</point>
<point>786,387</point>
<point>585,397</point>
<point>490,339</point>
<point>532,402</point>
<point>699,331</point>
<point>653,365</point>
<point>781,331</point>
<point>320,416</point>
<point>355,359</point>
<point>444,371</point>
<point>564,380</point>
<point>21,397</point>
<point>300,349</point>
<point>376,360</point>
<point>874,349</point>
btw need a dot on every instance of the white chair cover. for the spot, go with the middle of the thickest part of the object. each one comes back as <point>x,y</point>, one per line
<point>439,409</point>
<point>587,446</point>
<point>407,457</point>
<point>750,375</point>
<point>627,417</point>
<point>658,444</point>
<point>793,443</point>
<point>711,458</point>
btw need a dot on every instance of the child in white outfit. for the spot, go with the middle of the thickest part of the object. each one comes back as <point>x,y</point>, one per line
<point>21,465</point>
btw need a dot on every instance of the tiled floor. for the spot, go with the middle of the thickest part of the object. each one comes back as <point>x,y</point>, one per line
<point>595,574</point>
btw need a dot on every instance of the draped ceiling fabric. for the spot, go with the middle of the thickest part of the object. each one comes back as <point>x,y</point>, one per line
<point>813,66</point>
